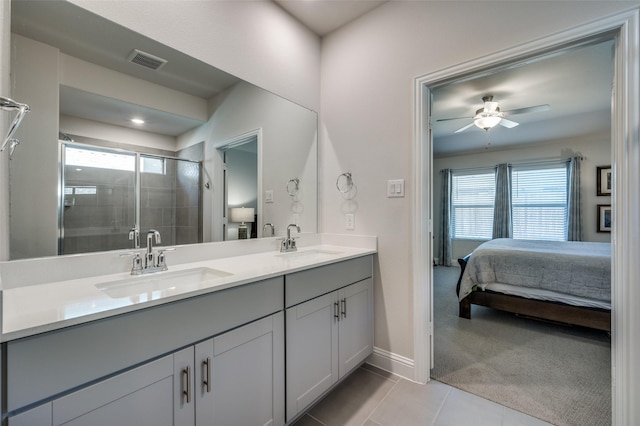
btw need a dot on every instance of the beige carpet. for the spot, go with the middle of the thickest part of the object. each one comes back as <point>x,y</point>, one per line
<point>559,374</point>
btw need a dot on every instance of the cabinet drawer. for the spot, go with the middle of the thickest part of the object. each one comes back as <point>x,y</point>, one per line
<point>38,416</point>
<point>43,366</point>
<point>141,396</point>
<point>305,285</point>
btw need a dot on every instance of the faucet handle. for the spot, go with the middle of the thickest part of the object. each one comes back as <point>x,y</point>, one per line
<point>136,267</point>
<point>161,259</point>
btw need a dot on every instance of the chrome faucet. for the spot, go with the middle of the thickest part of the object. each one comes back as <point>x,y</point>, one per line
<point>134,235</point>
<point>152,262</point>
<point>148,260</point>
<point>272,229</point>
<point>289,243</point>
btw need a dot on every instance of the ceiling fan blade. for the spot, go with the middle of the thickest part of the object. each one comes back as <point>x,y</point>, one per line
<point>464,128</point>
<point>508,123</point>
<point>537,108</point>
<point>490,106</point>
<point>454,118</point>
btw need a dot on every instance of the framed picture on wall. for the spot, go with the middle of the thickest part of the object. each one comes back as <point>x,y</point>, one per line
<point>603,174</point>
<point>604,218</point>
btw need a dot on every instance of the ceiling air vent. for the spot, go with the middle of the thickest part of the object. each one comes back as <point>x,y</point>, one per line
<point>146,60</point>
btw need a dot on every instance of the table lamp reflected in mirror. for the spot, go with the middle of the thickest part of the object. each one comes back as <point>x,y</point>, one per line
<point>242,215</point>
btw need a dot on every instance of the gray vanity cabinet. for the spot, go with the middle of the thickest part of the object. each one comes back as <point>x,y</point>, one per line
<point>127,369</point>
<point>214,359</point>
<point>328,335</point>
<point>236,378</point>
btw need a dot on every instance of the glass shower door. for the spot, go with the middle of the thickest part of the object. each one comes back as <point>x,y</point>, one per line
<point>98,204</point>
<point>170,199</point>
<point>107,192</point>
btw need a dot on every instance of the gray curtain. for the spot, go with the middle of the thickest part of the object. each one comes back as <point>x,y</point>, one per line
<point>574,205</point>
<point>444,251</point>
<point>502,226</point>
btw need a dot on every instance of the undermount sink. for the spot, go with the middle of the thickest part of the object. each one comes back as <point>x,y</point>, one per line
<point>308,254</point>
<point>168,283</point>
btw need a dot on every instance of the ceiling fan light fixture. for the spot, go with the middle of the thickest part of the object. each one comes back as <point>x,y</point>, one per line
<point>486,121</point>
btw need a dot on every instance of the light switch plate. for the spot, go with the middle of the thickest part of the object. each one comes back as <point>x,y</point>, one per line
<point>395,188</point>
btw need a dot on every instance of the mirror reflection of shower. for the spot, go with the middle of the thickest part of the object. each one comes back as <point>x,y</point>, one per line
<point>105,193</point>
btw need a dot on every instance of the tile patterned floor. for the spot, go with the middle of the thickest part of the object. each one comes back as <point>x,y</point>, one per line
<point>372,397</point>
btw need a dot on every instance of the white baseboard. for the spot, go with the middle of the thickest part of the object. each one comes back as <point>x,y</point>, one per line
<point>393,363</point>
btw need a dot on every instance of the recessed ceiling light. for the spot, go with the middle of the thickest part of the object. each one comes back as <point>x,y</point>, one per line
<point>137,120</point>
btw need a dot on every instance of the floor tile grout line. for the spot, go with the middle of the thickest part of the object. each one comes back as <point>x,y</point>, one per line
<point>317,420</point>
<point>381,401</point>
<point>380,375</point>
<point>435,419</point>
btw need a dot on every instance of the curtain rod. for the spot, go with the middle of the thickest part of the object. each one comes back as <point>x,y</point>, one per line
<point>527,163</point>
<point>541,162</point>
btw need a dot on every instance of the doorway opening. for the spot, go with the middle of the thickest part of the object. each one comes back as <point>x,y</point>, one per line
<point>239,162</point>
<point>625,199</point>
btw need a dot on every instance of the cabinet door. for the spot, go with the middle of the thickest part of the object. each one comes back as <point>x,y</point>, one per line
<point>356,324</point>
<point>142,396</point>
<point>312,351</point>
<point>248,375</point>
<point>183,388</point>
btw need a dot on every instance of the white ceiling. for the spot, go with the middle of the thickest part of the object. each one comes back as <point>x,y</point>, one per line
<point>325,16</point>
<point>575,83</point>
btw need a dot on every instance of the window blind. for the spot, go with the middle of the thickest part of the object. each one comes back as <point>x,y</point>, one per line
<point>539,202</point>
<point>472,198</point>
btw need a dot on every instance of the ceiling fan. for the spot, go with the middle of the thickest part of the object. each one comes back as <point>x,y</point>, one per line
<point>490,115</point>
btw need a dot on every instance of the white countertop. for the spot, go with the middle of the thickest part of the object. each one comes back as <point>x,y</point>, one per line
<point>38,308</point>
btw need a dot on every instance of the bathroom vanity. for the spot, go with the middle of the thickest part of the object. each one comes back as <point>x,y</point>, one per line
<point>211,354</point>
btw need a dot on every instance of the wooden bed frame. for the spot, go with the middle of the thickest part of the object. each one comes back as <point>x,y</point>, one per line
<point>599,319</point>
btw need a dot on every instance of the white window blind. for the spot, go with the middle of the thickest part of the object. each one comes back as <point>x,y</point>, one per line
<point>539,202</point>
<point>472,198</point>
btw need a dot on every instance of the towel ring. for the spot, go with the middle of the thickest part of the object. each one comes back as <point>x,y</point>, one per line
<point>344,183</point>
<point>293,186</point>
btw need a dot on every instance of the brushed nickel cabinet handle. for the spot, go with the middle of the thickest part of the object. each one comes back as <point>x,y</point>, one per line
<point>206,382</point>
<point>344,308</point>
<point>186,392</point>
<point>336,309</point>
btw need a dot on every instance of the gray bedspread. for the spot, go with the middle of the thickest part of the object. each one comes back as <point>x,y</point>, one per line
<point>571,267</point>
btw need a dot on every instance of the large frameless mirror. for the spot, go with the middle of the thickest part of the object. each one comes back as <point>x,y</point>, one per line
<point>85,79</point>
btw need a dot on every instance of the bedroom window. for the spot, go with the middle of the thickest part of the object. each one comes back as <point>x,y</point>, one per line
<point>472,198</point>
<point>539,202</point>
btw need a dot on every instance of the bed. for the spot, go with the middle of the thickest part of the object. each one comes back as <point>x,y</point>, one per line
<point>561,281</point>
